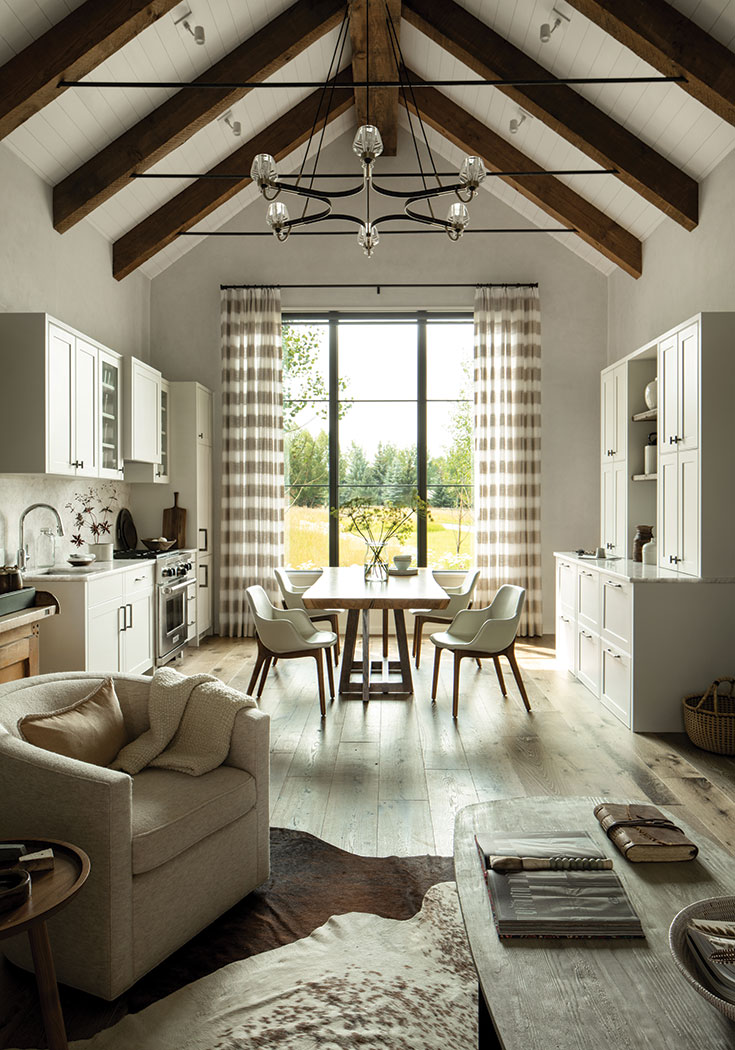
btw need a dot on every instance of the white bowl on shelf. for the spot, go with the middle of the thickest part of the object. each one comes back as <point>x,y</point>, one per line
<point>81,559</point>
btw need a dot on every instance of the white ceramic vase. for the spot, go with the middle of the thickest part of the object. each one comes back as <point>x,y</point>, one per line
<point>101,551</point>
<point>650,394</point>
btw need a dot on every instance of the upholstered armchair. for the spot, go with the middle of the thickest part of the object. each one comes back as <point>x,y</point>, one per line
<point>169,852</point>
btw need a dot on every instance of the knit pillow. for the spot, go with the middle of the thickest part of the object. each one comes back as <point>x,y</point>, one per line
<point>90,730</point>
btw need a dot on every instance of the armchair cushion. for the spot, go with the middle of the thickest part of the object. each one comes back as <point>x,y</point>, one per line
<point>91,729</point>
<point>173,811</point>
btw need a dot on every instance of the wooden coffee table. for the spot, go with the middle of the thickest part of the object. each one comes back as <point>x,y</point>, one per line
<point>606,993</point>
<point>346,588</point>
<point>51,890</point>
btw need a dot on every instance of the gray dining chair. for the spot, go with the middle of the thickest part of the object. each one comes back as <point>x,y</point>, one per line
<point>292,599</point>
<point>460,598</point>
<point>489,632</point>
<point>285,634</point>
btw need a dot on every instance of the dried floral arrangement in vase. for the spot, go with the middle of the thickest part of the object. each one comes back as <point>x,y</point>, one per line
<point>94,512</point>
<point>377,524</point>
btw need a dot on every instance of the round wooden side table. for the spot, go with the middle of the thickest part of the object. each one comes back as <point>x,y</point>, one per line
<point>50,891</point>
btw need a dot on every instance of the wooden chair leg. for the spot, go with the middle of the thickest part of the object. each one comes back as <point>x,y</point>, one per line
<point>256,670</point>
<point>499,673</point>
<point>413,643</point>
<point>330,672</point>
<point>455,693</point>
<point>510,653</point>
<point>419,639</point>
<point>385,634</point>
<point>266,669</point>
<point>320,680</point>
<point>434,684</point>
<point>478,662</point>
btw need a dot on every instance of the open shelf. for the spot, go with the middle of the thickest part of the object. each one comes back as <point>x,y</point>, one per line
<point>645,477</point>
<point>645,417</point>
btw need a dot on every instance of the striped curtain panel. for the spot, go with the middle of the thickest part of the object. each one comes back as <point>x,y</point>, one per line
<point>253,498</point>
<point>507,396</point>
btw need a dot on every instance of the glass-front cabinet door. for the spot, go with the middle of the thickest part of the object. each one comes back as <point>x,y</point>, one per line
<point>110,384</point>
<point>162,471</point>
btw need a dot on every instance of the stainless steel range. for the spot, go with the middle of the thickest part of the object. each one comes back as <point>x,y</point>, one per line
<point>175,585</point>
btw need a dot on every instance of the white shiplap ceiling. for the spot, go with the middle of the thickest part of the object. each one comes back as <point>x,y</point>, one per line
<point>79,123</point>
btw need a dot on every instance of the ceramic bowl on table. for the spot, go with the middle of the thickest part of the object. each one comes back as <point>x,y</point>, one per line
<point>402,562</point>
<point>159,543</point>
<point>711,909</point>
<point>81,559</point>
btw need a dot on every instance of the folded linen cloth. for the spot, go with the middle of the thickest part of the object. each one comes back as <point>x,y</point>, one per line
<point>191,720</point>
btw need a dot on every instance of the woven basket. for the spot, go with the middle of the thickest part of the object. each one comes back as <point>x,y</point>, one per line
<point>716,909</point>
<point>709,720</point>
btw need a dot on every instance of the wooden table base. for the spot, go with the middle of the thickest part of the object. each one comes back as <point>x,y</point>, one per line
<point>48,992</point>
<point>368,670</point>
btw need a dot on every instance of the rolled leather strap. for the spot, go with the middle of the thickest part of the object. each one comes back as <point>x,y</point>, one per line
<point>642,822</point>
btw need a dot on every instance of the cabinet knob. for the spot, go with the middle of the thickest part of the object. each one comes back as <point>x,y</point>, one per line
<point>200,435</point>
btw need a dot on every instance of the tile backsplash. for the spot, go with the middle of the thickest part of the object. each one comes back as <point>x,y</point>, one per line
<point>18,491</point>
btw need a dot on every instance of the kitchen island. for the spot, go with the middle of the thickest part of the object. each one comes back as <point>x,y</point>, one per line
<point>19,644</point>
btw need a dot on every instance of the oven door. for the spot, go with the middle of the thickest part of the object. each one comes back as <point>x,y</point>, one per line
<point>172,620</point>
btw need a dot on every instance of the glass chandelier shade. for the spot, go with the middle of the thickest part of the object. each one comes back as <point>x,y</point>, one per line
<point>367,144</point>
<point>457,219</point>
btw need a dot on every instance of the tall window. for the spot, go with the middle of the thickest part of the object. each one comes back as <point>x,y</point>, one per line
<point>378,408</point>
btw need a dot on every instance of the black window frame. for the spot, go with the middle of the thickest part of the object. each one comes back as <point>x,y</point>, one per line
<point>420,318</point>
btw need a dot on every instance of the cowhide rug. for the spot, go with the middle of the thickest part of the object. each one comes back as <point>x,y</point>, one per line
<point>359,981</point>
<point>310,881</point>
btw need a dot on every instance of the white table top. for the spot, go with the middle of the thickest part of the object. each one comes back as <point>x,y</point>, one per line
<point>346,588</point>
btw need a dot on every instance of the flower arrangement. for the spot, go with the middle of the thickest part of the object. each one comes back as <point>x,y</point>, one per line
<point>377,524</point>
<point>92,510</point>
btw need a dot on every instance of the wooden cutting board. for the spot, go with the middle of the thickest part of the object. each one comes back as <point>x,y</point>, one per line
<point>173,526</point>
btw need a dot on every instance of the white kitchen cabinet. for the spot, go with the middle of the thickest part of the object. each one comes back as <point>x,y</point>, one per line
<point>613,508</point>
<point>204,414</point>
<point>679,362</point>
<point>204,594</point>
<point>203,538</point>
<point>614,414</point>
<point>105,622</point>
<point>157,473</point>
<point>658,638</point>
<point>588,597</point>
<point>54,374</point>
<point>109,406</point>
<point>142,412</point>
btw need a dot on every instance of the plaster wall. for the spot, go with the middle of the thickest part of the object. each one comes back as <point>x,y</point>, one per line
<point>683,273</point>
<point>185,325</point>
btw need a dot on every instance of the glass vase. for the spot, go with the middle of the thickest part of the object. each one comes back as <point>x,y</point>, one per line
<point>376,568</point>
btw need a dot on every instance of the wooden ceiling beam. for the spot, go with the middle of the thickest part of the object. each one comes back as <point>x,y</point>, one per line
<point>569,114</point>
<point>546,191</point>
<point>202,197</point>
<point>672,44</point>
<point>189,110</point>
<point>369,26</point>
<point>68,51</point>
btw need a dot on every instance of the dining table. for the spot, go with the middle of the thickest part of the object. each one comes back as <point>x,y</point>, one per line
<point>345,587</point>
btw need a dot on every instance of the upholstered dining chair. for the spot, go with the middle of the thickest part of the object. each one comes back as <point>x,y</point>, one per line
<point>292,600</point>
<point>460,598</point>
<point>489,632</point>
<point>285,634</point>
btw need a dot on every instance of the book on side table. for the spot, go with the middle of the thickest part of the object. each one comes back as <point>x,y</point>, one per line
<point>574,894</point>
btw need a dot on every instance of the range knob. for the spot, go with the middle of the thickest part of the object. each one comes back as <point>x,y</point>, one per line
<point>168,572</point>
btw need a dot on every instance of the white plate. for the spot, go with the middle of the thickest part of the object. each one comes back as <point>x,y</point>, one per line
<point>403,572</point>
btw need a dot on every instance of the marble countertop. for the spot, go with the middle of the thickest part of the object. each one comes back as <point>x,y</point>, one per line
<point>71,573</point>
<point>637,572</point>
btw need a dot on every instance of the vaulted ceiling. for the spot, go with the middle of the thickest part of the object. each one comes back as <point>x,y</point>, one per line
<point>655,141</point>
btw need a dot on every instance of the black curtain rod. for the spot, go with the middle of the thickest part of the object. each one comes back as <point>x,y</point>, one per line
<point>292,84</point>
<point>440,284</point>
<point>386,175</point>
<point>351,233</point>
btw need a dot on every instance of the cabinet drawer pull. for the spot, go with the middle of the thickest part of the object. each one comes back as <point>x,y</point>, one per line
<point>673,558</point>
<point>124,625</point>
<point>585,573</point>
<point>674,439</point>
<point>609,583</point>
<point>128,626</point>
<point>564,619</point>
<point>205,582</point>
<point>586,634</point>
<point>615,656</point>
<point>203,549</point>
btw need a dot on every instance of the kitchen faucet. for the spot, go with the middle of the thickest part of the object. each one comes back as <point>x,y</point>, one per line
<point>22,549</point>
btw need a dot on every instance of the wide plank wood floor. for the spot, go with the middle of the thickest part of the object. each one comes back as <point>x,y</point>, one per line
<point>387,776</point>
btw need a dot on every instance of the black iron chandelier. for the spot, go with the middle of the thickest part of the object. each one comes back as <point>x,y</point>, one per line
<point>368,146</point>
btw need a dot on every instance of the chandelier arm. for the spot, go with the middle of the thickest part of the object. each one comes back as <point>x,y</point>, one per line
<point>427,220</point>
<point>319,195</point>
<point>307,219</point>
<point>413,195</point>
<point>328,215</point>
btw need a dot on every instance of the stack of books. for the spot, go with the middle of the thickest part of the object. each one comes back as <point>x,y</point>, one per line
<point>574,894</point>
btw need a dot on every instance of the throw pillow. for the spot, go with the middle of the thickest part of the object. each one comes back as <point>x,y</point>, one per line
<point>90,730</point>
